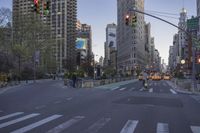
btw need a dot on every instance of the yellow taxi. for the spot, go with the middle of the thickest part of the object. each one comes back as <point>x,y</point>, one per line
<point>166,77</point>
<point>151,75</point>
<point>156,77</point>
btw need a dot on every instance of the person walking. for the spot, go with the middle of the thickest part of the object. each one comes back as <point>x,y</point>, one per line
<point>74,78</point>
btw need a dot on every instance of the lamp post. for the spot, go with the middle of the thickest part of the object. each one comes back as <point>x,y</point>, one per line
<point>94,67</point>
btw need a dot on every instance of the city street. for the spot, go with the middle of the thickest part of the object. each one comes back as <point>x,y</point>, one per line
<point>123,107</point>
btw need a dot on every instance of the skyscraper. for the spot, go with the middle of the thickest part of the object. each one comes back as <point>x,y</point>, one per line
<point>183,47</point>
<point>62,21</point>
<point>198,15</point>
<point>130,40</point>
<point>63,25</point>
<point>110,45</point>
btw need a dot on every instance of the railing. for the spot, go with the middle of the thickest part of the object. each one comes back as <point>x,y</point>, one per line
<point>83,83</point>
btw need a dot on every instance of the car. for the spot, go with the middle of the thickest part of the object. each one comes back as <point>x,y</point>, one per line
<point>166,77</point>
<point>156,77</point>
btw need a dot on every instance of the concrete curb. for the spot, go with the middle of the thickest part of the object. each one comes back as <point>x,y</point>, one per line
<point>180,90</point>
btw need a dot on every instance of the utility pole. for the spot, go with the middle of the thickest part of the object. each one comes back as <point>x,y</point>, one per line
<point>188,34</point>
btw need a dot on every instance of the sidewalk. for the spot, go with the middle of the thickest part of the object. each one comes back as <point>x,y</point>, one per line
<point>181,89</point>
<point>22,83</point>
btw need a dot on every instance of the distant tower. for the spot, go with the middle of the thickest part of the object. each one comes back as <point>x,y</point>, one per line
<point>182,35</point>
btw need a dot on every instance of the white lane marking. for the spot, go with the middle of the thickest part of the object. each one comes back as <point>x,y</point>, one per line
<point>151,90</point>
<point>36,124</point>
<point>98,125</point>
<point>57,102</point>
<point>114,88</point>
<point>172,91</point>
<point>132,89</point>
<point>66,124</point>
<point>11,115</point>
<point>122,89</point>
<point>40,107</point>
<point>129,126</point>
<point>142,89</point>
<point>195,129</point>
<point>69,98</point>
<point>17,120</point>
<point>162,128</point>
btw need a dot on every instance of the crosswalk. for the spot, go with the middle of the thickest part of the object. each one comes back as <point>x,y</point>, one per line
<point>151,89</point>
<point>128,126</point>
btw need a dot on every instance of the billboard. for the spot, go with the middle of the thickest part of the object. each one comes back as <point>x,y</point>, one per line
<point>111,37</point>
<point>81,43</point>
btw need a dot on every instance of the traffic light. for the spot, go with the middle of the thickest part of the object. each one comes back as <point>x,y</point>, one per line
<point>127,20</point>
<point>36,6</point>
<point>48,4</point>
<point>133,20</point>
<point>46,7</point>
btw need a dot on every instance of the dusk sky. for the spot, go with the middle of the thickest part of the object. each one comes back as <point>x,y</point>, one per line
<point>99,13</point>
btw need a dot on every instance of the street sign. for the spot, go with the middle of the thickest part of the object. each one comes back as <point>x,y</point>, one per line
<point>193,24</point>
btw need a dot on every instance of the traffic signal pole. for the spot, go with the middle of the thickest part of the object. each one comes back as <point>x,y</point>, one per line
<point>188,34</point>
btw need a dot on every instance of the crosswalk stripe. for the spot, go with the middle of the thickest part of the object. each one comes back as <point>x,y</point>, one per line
<point>98,125</point>
<point>129,126</point>
<point>11,115</point>
<point>36,124</point>
<point>151,90</point>
<point>65,125</point>
<point>17,120</point>
<point>162,128</point>
<point>122,89</point>
<point>195,129</point>
<point>172,91</point>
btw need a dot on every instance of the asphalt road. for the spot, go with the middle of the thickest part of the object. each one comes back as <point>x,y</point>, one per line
<point>50,107</point>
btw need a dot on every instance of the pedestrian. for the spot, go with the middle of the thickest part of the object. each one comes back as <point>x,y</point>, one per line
<point>74,79</point>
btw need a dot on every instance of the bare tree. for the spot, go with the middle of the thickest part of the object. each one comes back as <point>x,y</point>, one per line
<point>5,16</point>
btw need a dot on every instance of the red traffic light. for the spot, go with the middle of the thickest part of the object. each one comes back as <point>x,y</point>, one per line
<point>127,19</point>
<point>36,2</point>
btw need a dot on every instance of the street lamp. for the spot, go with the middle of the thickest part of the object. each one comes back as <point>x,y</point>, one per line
<point>182,61</point>
<point>94,67</point>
